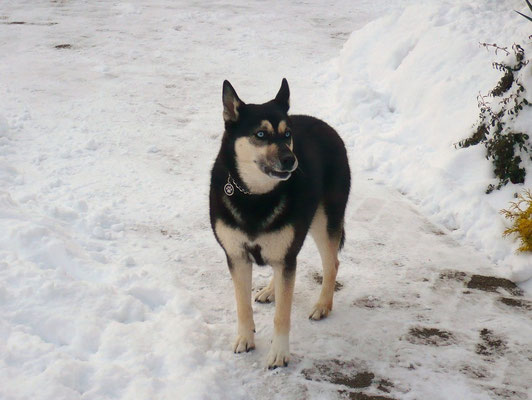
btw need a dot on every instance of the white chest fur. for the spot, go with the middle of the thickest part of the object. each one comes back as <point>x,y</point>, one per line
<point>274,245</point>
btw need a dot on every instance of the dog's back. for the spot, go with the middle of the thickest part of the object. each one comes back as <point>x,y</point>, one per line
<point>323,166</point>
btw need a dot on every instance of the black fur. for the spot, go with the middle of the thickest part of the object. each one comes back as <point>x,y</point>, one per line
<point>255,254</point>
<point>322,177</point>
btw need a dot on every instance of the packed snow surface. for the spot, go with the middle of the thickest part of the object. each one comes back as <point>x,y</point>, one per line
<point>111,283</point>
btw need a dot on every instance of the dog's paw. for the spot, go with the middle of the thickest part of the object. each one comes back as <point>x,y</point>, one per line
<point>265,295</point>
<point>320,311</point>
<point>279,354</point>
<point>244,343</point>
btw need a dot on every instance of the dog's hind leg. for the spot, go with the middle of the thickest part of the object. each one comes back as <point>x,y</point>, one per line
<point>241,271</point>
<point>328,245</point>
<point>266,294</point>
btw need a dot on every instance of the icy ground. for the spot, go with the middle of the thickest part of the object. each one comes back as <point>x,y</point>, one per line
<point>111,283</point>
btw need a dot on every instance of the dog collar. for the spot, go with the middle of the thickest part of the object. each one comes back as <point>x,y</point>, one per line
<point>229,188</point>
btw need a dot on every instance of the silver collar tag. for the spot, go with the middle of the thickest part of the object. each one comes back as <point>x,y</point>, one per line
<point>229,189</point>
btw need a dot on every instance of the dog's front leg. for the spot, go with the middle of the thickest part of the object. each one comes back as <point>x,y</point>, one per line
<point>241,271</point>
<point>284,276</point>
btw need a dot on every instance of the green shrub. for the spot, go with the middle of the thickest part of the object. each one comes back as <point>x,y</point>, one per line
<point>504,145</point>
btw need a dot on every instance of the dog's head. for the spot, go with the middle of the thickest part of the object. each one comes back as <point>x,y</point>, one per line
<point>260,135</point>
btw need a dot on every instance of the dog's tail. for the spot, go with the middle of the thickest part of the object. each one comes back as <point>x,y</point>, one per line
<point>342,240</point>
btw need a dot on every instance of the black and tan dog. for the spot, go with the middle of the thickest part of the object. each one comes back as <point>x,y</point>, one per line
<point>276,178</point>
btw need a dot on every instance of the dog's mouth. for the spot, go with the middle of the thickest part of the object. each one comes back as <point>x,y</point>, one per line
<point>281,175</point>
<point>275,174</point>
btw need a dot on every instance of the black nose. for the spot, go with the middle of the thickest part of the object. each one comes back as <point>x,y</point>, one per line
<point>287,161</point>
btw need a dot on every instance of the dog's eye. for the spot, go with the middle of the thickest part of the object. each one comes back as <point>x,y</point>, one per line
<point>260,134</point>
<point>288,134</point>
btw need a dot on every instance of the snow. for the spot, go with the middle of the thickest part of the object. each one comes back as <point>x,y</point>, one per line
<point>111,283</point>
<point>410,96</point>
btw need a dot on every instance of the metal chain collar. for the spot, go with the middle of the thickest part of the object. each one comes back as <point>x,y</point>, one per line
<point>229,188</point>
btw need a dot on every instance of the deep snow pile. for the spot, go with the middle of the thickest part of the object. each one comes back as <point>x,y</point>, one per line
<point>407,86</point>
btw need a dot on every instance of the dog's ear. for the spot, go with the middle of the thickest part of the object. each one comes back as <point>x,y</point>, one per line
<point>283,96</point>
<point>231,103</point>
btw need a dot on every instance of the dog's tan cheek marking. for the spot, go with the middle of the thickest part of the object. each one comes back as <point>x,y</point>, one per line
<point>248,158</point>
<point>243,149</point>
<point>246,151</point>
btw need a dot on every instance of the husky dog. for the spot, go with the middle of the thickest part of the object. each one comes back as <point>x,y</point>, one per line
<point>277,177</point>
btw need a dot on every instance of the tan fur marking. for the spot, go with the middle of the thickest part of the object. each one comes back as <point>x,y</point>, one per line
<point>266,294</point>
<point>266,125</point>
<point>282,127</point>
<point>283,293</point>
<point>234,212</point>
<point>241,272</point>
<point>272,153</point>
<point>248,156</point>
<point>279,354</point>
<point>227,116</point>
<point>328,247</point>
<point>232,239</point>
<point>277,210</point>
<point>274,245</point>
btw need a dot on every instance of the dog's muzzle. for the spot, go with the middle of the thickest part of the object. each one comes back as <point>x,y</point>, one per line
<point>282,168</point>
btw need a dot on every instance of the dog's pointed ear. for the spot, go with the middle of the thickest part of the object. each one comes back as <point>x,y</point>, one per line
<point>283,96</point>
<point>231,103</point>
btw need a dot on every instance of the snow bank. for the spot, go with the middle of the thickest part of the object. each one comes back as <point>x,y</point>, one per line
<point>406,87</point>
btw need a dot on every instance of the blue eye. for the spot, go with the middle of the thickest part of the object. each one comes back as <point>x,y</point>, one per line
<point>288,134</point>
<point>260,134</point>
